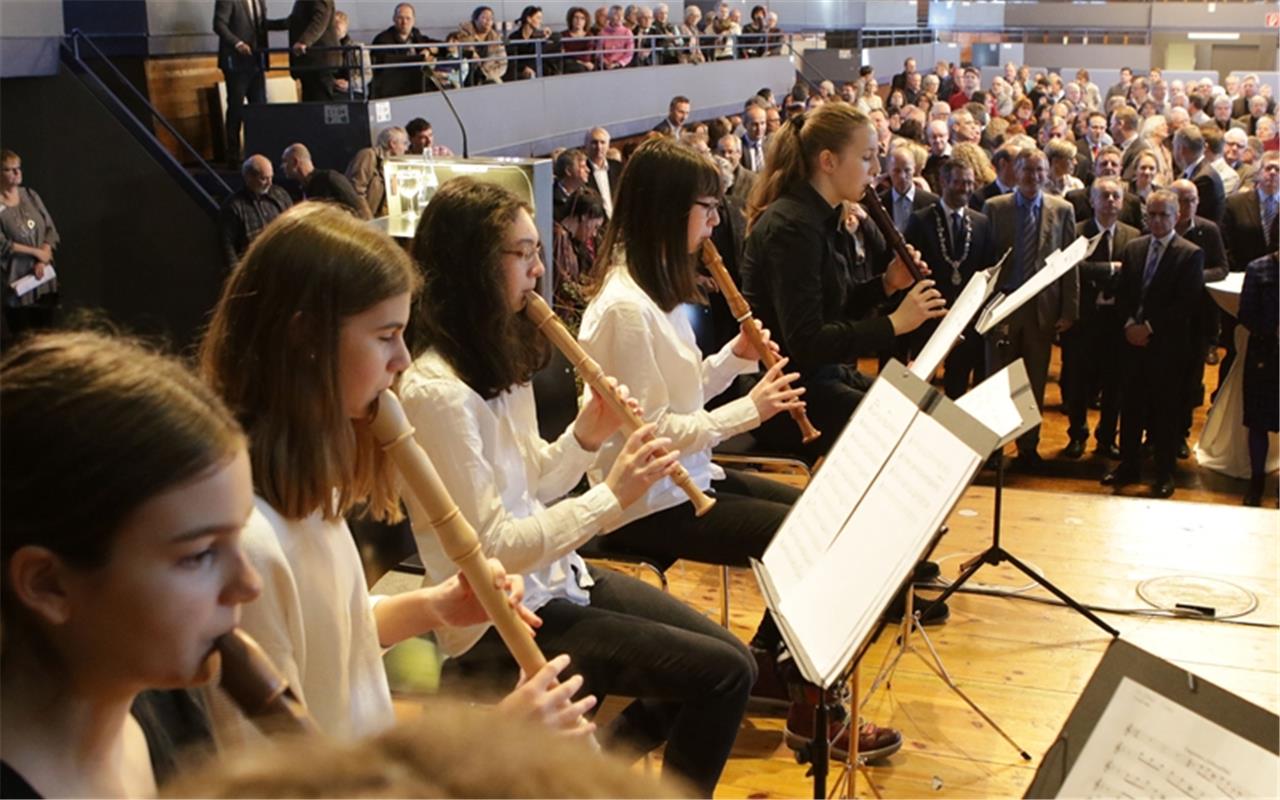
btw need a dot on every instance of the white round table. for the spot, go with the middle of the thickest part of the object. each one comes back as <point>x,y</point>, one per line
<point>1224,445</point>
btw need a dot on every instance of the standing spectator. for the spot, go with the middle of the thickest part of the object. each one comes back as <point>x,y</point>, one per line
<point>970,82</point>
<point>618,42</point>
<point>1121,89</point>
<point>1259,301</point>
<point>902,197</point>
<point>1090,350</point>
<point>604,170</point>
<point>311,25</point>
<point>677,113</point>
<point>403,72</point>
<point>27,241</point>
<point>523,47</point>
<point>1062,159</point>
<point>1189,153</point>
<point>571,174</point>
<point>319,184</point>
<point>365,170</point>
<point>357,68</point>
<point>576,40</point>
<point>773,44</point>
<point>755,139</point>
<point>1204,234</point>
<point>1214,148</point>
<point>1160,286</point>
<point>741,180</point>
<point>249,210</point>
<point>908,69</point>
<point>573,239</point>
<point>1145,178</point>
<point>1033,224</point>
<point>422,140</point>
<point>1249,230</point>
<point>241,26</point>
<point>666,37</point>
<point>486,50</point>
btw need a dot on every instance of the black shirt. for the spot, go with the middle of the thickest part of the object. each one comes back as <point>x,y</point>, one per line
<point>396,81</point>
<point>798,274</point>
<point>326,184</point>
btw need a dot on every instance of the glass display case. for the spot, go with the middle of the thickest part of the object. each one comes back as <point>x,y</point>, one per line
<point>411,181</point>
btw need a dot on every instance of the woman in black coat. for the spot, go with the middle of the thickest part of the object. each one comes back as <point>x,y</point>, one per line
<point>1260,314</point>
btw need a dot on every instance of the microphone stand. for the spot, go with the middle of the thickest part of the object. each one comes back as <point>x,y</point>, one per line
<point>431,76</point>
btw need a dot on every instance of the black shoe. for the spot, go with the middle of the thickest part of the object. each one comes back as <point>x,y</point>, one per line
<point>1110,451</point>
<point>936,613</point>
<point>1183,451</point>
<point>926,572</point>
<point>770,687</point>
<point>1253,496</point>
<point>1163,487</point>
<point>1122,475</point>
<point>1074,449</point>
<point>1029,462</point>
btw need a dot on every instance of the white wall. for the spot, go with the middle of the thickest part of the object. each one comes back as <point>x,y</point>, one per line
<point>945,15</point>
<point>1113,56</point>
<point>30,31</point>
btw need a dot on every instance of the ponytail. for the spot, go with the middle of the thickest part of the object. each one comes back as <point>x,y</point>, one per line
<point>794,148</point>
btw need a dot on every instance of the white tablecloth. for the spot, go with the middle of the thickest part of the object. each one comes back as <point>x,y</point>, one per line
<point>1223,445</point>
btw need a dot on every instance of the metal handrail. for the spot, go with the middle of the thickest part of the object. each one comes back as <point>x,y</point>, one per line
<point>76,37</point>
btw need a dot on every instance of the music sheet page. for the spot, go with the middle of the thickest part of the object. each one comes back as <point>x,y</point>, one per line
<point>879,544</point>
<point>1055,266</point>
<point>991,403</point>
<point>817,517</point>
<point>944,337</point>
<point>1147,745</point>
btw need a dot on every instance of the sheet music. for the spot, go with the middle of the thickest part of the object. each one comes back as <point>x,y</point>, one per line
<point>1055,266</point>
<point>879,544</point>
<point>991,403</point>
<point>29,281</point>
<point>818,516</point>
<point>1147,745</point>
<point>965,308</point>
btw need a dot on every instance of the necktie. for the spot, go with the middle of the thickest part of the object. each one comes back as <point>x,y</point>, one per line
<point>957,233</point>
<point>253,12</point>
<point>1153,260</point>
<point>1104,247</point>
<point>901,212</point>
<point>1027,241</point>
<point>757,156</point>
<point>1269,219</point>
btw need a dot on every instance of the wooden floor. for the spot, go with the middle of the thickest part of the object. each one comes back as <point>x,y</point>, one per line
<point>1026,663</point>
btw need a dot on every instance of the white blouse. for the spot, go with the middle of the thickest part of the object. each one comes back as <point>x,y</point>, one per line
<point>656,355</point>
<point>315,620</point>
<point>503,476</point>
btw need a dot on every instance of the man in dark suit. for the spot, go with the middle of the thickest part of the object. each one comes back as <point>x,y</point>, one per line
<point>1189,153</point>
<point>242,27</point>
<point>1002,160</point>
<point>1247,235</point>
<point>677,113</point>
<point>1107,164</point>
<point>1033,224</point>
<point>1124,133</point>
<point>955,241</point>
<point>1092,345</point>
<point>756,122</point>
<point>1203,233</point>
<point>1160,286</point>
<point>908,68</point>
<point>605,172</point>
<point>744,180</point>
<point>901,198</point>
<point>311,25</point>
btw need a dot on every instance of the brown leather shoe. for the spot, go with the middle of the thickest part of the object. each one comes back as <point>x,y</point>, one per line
<point>874,742</point>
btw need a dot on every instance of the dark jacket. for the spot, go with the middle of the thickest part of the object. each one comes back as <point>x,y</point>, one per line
<point>797,275</point>
<point>1170,301</point>
<point>1081,201</point>
<point>232,24</point>
<point>311,22</point>
<point>1242,229</point>
<point>922,234</point>
<point>1213,197</point>
<point>400,80</point>
<point>1095,272</point>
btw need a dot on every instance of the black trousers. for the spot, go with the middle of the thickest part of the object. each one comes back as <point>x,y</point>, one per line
<point>691,678</point>
<point>317,86</point>
<point>1092,346</point>
<point>1020,336</point>
<point>1152,401</point>
<point>832,393</point>
<point>242,85</point>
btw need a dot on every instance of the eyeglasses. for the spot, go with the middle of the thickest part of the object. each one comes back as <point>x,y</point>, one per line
<point>527,251</point>
<point>709,206</point>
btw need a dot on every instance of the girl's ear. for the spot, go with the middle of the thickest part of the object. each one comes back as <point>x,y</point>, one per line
<point>38,579</point>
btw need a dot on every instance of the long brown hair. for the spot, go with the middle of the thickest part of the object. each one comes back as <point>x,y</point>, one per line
<point>271,351</point>
<point>93,427</point>
<point>651,219</point>
<point>463,310</point>
<point>795,147</point>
